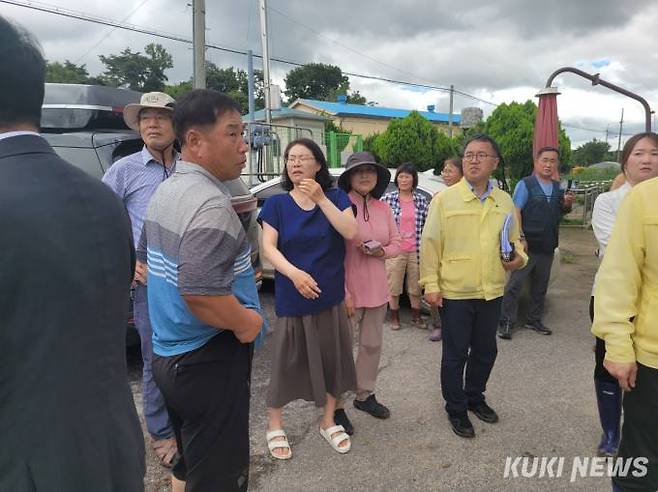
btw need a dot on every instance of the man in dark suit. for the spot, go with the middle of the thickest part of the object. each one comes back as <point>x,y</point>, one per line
<point>67,418</point>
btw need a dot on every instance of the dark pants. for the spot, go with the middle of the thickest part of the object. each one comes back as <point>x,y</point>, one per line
<point>469,341</point>
<point>639,435</point>
<point>207,395</point>
<point>600,372</point>
<point>155,412</point>
<point>539,271</point>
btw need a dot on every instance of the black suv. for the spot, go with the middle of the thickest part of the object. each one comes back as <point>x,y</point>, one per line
<point>84,124</point>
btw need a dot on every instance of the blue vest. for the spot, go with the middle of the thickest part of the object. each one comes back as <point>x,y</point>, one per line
<point>541,217</point>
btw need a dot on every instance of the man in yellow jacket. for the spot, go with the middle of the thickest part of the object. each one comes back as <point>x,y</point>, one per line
<point>462,272</point>
<point>626,318</point>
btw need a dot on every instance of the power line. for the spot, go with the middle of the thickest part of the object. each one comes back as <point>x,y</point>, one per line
<point>174,37</point>
<point>592,130</point>
<point>40,6</point>
<point>108,33</point>
<point>344,46</point>
<point>349,48</point>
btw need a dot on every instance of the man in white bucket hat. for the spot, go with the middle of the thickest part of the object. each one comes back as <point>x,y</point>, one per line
<point>134,179</point>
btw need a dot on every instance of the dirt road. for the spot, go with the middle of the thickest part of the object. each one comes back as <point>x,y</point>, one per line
<point>541,386</point>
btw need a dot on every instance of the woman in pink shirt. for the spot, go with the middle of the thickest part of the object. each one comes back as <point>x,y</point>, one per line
<point>409,211</point>
<point>366,287</point>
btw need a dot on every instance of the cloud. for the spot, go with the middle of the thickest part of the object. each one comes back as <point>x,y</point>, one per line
<point>493,50</point>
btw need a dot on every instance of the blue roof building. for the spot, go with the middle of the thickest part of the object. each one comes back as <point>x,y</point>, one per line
<point>366,120</point>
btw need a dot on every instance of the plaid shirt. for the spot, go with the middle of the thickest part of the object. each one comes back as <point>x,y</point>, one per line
<point>420,207</point>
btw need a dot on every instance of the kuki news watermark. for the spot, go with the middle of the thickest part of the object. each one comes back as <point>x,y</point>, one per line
<point>575,468</point>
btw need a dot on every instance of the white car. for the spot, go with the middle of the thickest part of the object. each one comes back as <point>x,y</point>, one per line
<point>429,185</point>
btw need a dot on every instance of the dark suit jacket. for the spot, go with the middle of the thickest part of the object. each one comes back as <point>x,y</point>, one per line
<point>67,418</point>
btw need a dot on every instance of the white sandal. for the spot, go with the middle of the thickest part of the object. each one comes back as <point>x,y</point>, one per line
<point>339,437</point>
<point>273,443</point>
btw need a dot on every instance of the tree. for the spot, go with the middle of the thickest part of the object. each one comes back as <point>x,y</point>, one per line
<point>138,72</point>
<point>230,81</point>
<point>370,144</point>
<point>413,139</point>
<point>592,152</point>
<point>235,83</point>
<point>315,81</point>
<point>178,90</point>
<point>320,81</point>
<point>159,61</point>
<point>512,126</point>
<point>66,73</point>
<point>356,98</point>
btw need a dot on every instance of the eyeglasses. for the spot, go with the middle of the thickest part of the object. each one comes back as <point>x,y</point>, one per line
<point>480,156</point>
<point>302,159</point>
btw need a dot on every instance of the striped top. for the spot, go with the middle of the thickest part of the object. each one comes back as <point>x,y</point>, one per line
<point>421,206</point>
<point>134,179</point>
<point>194,244</point>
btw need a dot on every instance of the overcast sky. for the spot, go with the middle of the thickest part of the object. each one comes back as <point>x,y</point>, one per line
<point>499,51</point>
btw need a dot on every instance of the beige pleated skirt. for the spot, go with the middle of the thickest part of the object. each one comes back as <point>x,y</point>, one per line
<point>312,356</point>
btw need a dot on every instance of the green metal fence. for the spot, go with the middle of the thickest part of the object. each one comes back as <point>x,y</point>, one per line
<point>337,143</point>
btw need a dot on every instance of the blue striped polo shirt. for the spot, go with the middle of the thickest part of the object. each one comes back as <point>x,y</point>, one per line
<point>134,179</point>
<point>194,244</point>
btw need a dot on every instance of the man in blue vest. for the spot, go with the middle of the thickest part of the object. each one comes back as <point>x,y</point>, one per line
<point>539,205</point>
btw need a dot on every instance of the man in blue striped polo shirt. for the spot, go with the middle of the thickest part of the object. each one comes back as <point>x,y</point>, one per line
<point>134,179</point>
<point>200,278</point>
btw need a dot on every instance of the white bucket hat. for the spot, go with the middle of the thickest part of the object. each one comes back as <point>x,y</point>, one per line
<point>158,100</point>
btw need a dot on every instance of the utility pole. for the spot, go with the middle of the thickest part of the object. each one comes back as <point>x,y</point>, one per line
<point>452,100</point>
<point>607,132</point>
<point>199,43</point>
<point>266,60</point>
<point>621,125</point>
<point>252,115</point>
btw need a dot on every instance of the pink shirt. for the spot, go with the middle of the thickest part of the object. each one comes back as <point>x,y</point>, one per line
<point>407,225</point>
<point>365,276</point>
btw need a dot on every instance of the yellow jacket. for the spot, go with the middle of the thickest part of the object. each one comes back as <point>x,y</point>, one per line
<point>460,245</point>
<point>627,281</point>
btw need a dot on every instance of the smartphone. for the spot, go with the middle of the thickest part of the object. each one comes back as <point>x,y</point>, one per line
<point>372,245</point>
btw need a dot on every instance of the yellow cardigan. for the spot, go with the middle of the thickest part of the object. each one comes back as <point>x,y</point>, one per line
<point>627,281</point>
<point>460,245</point>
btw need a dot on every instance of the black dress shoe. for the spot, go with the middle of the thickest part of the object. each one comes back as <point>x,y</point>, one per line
<point>373,407</point>
<point>484,412</point>
<point>505,330</point>
<point>539,327</point>
<point>340,418</point>
<point>461,425</point>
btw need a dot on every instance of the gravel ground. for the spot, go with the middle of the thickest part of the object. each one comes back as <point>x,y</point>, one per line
<point>541,387</point>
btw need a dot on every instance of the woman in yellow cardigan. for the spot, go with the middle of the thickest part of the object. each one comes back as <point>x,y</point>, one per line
<point>626,318</point>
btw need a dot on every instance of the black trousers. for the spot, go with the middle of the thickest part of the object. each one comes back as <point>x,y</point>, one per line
<point>600,372</point>
<point>469,350</point>
<point>639,434</point>
<point>207,396</point>
<point>539,270</point>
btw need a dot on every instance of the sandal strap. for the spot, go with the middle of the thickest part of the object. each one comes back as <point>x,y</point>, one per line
<point>336,435</point>
<point>276,433</point>
<point>274,443</point>
<point>278,445</point>
<point>340,437</point>
<point>334,429</point>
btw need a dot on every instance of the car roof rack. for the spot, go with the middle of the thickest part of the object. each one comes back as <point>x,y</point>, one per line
<point>82,96</point>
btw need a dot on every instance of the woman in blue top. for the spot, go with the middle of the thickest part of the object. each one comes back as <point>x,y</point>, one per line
<point>304,234</point>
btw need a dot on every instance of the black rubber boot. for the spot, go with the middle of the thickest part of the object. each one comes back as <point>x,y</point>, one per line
<point>608,397</point>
